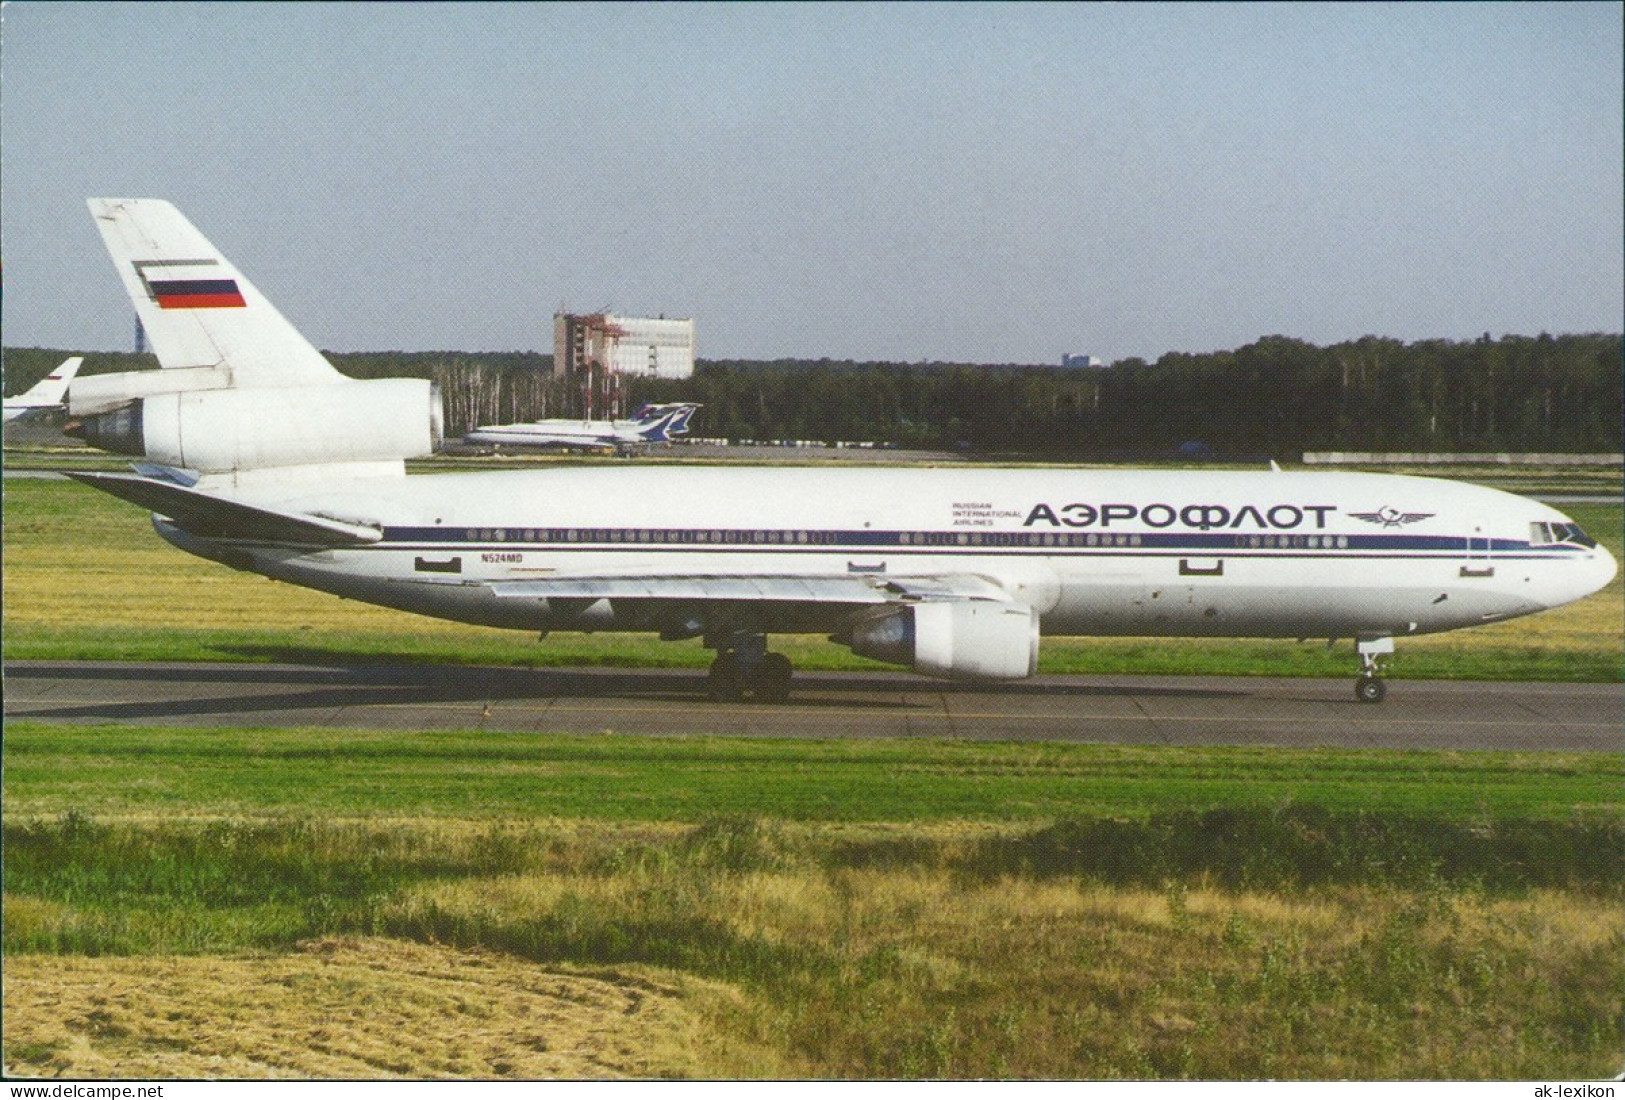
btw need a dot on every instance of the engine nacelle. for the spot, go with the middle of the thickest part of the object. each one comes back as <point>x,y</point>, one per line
<point>221,431</point>
<point>963,640</point>
<point>105,392</point>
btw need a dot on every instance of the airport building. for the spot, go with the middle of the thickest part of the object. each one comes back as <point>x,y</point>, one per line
<point>659,347</point>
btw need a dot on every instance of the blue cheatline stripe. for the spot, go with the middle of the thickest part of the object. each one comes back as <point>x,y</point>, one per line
<point>1206,543</point>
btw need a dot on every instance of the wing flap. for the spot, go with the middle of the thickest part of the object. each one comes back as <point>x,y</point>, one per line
<point>215,517</point>
<point>834,589</point>
<point>775,588</point>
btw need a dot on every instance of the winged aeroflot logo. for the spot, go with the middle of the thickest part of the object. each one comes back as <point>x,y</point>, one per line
<point>1392,517</point>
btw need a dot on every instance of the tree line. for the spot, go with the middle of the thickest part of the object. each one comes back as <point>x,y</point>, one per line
<point>1275,397</point>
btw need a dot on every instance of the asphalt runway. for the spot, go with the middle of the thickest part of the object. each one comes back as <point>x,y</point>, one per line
<point>1129,710</point>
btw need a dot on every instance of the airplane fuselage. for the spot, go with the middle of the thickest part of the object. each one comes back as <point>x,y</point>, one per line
<point>1327,555</point>
<point>555,433</point>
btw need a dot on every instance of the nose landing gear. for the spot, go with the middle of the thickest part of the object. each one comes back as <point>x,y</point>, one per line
<point>1370,688</point>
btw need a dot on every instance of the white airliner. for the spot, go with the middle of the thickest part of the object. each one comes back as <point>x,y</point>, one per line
<point>44,395</point>
<point>262,457</point>
<point>650,425</point>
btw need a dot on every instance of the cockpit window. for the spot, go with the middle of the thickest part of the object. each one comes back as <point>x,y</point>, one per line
<point>1545,534</point>
<point>1575,535</point>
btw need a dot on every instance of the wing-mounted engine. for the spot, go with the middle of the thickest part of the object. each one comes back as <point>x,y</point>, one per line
<point>212,430</point>
<point>956,640</point>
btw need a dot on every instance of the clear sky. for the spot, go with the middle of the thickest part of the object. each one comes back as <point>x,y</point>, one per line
<point>965,182</point>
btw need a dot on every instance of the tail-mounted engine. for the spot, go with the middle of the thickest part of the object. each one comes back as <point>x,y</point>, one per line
<point>957,640</point>
<point>216,430</point>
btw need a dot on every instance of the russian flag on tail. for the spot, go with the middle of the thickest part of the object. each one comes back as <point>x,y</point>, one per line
<point>196,293</point>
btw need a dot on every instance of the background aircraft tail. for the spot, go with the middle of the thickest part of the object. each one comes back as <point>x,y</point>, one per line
<point>51,389</point>
<point>661,423</point>
<point>43,396</point>
<point>679,426</point>
<point>656,432</point>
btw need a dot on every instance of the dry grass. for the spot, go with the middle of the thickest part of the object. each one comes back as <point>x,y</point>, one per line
<point>752,948</point>
<point>923,974</point>
<point>351,1008</point>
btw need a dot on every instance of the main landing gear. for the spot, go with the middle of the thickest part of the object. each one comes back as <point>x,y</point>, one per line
<point>1369,688</point>
<point>745,667</point>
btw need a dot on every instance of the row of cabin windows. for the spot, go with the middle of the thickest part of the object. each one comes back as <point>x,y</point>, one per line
<point>644,535</point>
<point>906,538</point>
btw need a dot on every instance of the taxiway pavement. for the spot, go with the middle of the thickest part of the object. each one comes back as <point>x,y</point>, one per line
<point>1140,710</point>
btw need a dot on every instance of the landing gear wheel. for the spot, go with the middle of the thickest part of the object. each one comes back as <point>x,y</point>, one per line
<point>737,673</point>
<point>1369,689</point>
<point>726,682</point>
<point>771,682</point>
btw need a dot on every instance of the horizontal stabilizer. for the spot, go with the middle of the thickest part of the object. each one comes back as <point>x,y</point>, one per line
<point>213,517</point>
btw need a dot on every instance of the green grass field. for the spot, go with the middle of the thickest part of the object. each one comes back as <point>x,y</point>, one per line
<point>86,577</point>
<point>832,909</point>
<point>110,771</point>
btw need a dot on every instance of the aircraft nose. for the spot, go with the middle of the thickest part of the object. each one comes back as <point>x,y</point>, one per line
<point>1591,574</point>
<point>1604,568</point>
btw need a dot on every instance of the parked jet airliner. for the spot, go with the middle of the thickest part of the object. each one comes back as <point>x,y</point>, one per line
<point>650,425</point>
<point>44,395</point>
<point>261,456</point>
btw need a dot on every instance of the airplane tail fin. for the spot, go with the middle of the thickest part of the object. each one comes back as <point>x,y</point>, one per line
<point>242,393</point>
<point>659,430</point>
<point>196,308</point>
<point>679,426</point>
<point>659,423</point>
<point>50,389</point>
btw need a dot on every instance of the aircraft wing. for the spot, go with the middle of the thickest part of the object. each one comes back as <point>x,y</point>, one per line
<point>856,588</point>
<point>212,517</point>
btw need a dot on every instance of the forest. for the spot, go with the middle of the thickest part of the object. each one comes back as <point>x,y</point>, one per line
<point>1273,398</point>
